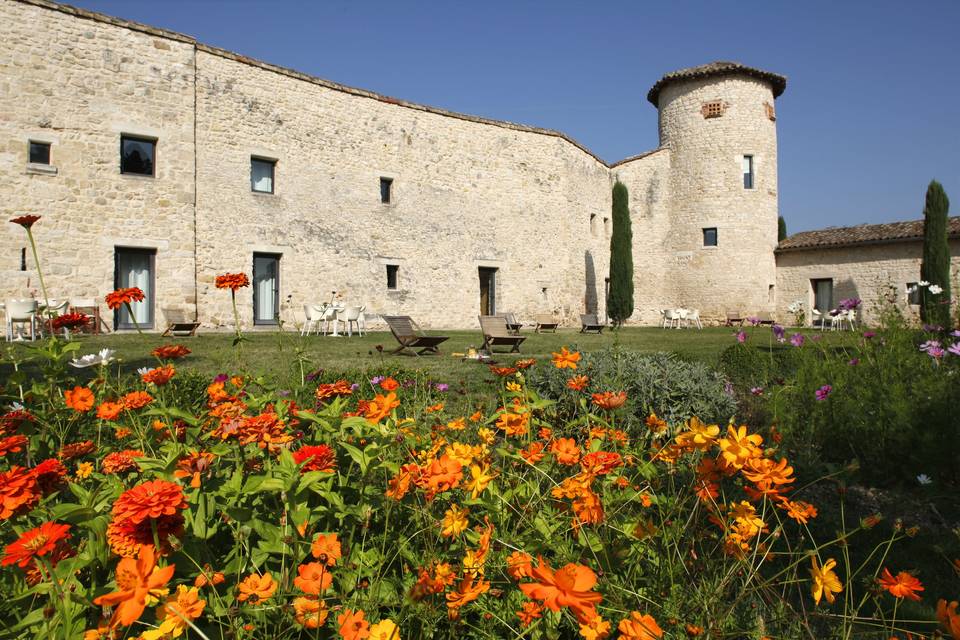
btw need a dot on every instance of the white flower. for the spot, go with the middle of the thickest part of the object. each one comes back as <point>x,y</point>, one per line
<point>104,357</point>
<point>935,289</point>
<point>923,283</point>
<point>924,479</point>
<point>143,370</point>
<point>16,406</point>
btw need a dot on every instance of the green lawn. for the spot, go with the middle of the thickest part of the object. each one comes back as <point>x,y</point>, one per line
<point>279,355</point>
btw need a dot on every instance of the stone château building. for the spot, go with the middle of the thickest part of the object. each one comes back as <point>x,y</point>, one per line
<point>160,162</point>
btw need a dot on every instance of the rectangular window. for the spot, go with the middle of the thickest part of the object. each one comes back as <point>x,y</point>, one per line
<point>261,174</point>
<point>135,268</point>
<point>39,152</point>
<point>748,172</point>
<point>392,271</point>
<point>822,295</point>
<point>913,293</point>
<point>386,190</point>
<point>710,237</point>
<point>137,155</point>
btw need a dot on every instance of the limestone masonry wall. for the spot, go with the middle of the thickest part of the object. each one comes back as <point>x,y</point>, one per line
<point>468,193</point>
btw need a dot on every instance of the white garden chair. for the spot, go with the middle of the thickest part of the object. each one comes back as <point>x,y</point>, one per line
<point>351,316</point>
<point>816,317</point>
<point>693,317</point>
<point>310,324</point>
<point>682,318</point>
<point>328,315</point>
<point>836,319</point>
<point>21,312</point>
<point>670,317</point>
<point>663,318</point>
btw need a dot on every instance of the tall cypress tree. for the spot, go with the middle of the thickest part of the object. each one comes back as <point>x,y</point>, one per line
<point>935,267</point>
<point>620,300</point>
<point>781,229</point>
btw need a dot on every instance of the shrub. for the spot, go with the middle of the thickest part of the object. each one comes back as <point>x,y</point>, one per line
<point>620,298</point>
<point>659,383</point>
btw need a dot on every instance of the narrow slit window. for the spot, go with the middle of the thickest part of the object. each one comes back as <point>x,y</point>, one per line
<point>262,174</point>
<point>710,237</point>
<point>748,172</point>
<point>393,271</point>
<point>386,190</point>
<point>39,152</point>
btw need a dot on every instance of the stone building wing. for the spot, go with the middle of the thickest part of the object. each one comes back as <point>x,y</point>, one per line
<point>715,69</point>
<point>862,234</point>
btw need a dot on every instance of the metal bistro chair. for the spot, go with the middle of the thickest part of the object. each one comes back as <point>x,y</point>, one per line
<point>22,312</point>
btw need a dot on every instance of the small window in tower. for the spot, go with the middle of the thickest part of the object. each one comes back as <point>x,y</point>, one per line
<point>770,111</point>
<point>262,174</point>
<point>392,272</point>
<point>137,155</point>
<point>748,172</point>
<point>713,109</point>
<point>593,224</point>
<point>386,190</point>
<point>39,152</point>
<point>710,237</point>
<point>607,226</point>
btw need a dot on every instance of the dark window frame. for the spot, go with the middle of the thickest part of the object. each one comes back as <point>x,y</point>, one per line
<point>716,236</point>
<point>749,177</point>
<point>386,190</point>
<point>258,321</point>
<point>38,145</point>
<point>915,296</point>
<point>272,162</point>
<point>124,137</point>
<point>393,277</point>
<point>813,285</point>
<point>151,294</point>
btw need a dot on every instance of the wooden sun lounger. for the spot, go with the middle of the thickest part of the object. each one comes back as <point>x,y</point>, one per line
<point>589,322</point>
<point>734,318</point>
<point>513,325</point>
<point>546,322</point>
<point>495,332</point>
<point>181,329</point>
<point>411,337</point>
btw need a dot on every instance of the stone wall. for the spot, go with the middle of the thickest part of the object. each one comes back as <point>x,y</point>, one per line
<point>866,272</point>
<point>706,190</point>
<point>79,84</point>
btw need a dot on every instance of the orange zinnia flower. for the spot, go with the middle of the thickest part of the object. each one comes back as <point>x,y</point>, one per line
<point>76,449</point>
<point>35,543</point>
<point>609,400</point>
<point>534,453</point>
<point>948,617</point>
<point>326,548</point>
<point>138,581</point>
<point>311,613</point>
<point>319,457</point>
<point>526,363</point>
<point>149,506</point>
<point>313,578</point>
<point>159,376</point>
<point>333,389</point>
<point>566,359</point>
<point>18,491</point>
<point>389,384</point>
<point>380,407</point>
<point>256,588</point>
<point>193,465</point>
<point>441,475</point>
<point>120,297</point>
<point>171,351</point>
<point>79,399</point>
<point>232,281</point>
<point>601,462</point>
<point>121,461</point>
<point>109,410</point>
<point>570,586</point>
<point>352,625</point>
<point>13,444</point>
<point>903,585</point>
<point>639,627</point>
<point>503,372</point>
<point>25,221</point>
<point>136,400</point>
<point>578,383</point>
<point>565,451</point>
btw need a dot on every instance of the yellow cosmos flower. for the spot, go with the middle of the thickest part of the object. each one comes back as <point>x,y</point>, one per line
<point>825,581</point>
<point>479,479</point>
<point>454,521</point>
<point>738,447</point>
<point>698,435</point>
<point>488,436</point>
<point>386,629</point>
<point>514,387</point>
<point>84,469</point>
<point>745,515</point>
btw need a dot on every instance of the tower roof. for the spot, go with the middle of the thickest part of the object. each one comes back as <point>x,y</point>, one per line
<point>717,68</point>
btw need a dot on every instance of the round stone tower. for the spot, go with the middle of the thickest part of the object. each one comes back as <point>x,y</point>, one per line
<point>719,123</point>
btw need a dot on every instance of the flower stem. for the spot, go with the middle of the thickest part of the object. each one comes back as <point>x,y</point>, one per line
<point>36,260</point>
<point>133,317</point>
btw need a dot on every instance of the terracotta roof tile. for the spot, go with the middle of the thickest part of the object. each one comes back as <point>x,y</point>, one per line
<point>908,231</point>
<point>718,68</point>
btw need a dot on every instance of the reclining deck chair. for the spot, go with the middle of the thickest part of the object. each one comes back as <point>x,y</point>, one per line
<point>410,337</point>
<point>495,332</point>
<point>589,322</point>
<point>178,326</point>
<point>546,322</point>
<point>513,325</point>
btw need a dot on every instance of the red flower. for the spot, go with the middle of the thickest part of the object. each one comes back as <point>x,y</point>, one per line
<point>903,585</point>
<point>159,376</point>
<point>136,400</point>
<point>49,474</point>
<point>121,461</point>
<point>601,462</point>
<point>315,458</point>
<point>171,351</point>
<point>155,503</point>
<point>570,586</point>
<point>25,221</point>
<point>35,543</point>
<point>609,400</point>
<point>18,491</point>
<point>12,444</point>
<point>70,321</point>
<point>76,449</point>
<point>232,281</point>
<point>120,297</point>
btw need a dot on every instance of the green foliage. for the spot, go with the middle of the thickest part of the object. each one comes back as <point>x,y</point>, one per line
<point>620,300</point>
<point>935,268</point>
<point>781,229</point>
<point>657,383</point>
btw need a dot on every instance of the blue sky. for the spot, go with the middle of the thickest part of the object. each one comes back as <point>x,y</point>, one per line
<point>869,117</point>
